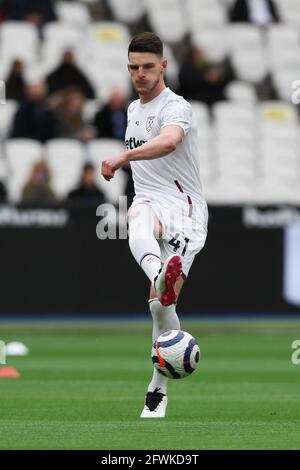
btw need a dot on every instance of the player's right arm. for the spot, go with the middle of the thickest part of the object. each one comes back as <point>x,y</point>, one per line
<point>157,147</point>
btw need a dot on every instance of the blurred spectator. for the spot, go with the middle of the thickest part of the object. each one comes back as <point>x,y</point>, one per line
<point>1,11</point>
<point>69,107</point>
<point>34,119</point>
<point>2,192</point>
<point>260,12</point>
<point>67,74</point>
<point>111,120</point>
<point>38,189</point>
<point>87,190</point>
<point>37,12</point>
<point>15,82</point>
<point>203,80</point>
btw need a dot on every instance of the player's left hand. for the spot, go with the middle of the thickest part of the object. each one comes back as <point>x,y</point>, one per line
<point>109,167</point>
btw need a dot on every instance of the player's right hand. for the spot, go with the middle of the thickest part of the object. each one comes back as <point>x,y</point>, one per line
<point>109,167</point>
<point>107,170</point>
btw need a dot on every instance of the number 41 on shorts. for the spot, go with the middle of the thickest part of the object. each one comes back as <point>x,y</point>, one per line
<point>176,243</point>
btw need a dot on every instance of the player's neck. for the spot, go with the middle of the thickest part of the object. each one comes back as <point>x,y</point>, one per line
<point>154,93</point>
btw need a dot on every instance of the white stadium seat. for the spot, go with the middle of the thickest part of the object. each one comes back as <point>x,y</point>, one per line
<point>202,113</point>
<point>213,40</point>
<point>102,149</point>
<point>283,80</point>
<point>240,92</point>
<point>74,13</point>
<point>108,79</point>
<point>58,37</point>
<point>3,166</point>
<point>233,114</point>
<point>277,113</point>
<point>19,40</point>
<point>65,159</point>
<point>205,13</point>
<point>244,36</point>
<point>289,11</point>
<point>108,33</point>
<point>168,19</point>
<point>250,65</point>
<point>91,107</point>
<point>7,113</point>
<point>21,155</point>
<point>172,71</point>
<point>129,11</point>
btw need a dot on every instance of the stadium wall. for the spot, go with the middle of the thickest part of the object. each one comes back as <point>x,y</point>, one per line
<point>53,263</point>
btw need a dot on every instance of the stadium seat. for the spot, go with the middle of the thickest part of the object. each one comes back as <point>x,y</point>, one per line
<point>74,13</point>
<point>128,11</point>
<point>280,164</point>
<point>106,59</point>
<point>91,107</point>
<point>282,39</point>
<point>250,64</point>
<point>244,36</point>
<point>283,80</point>
<point>207,157</point>
<point>202,113</point>
<point>205,13</point>
<point>289,11</point>
<point>14,35</point>
<point>65,158</point>
<point>58,37</point>
<point>172,71</point>
<point>240,92</point>
<point>233,114</point>
<point>277,113</point>
<point>236,161</point>
<point>21,155</point>
<point>108,33</point>
<point>168,19</point>
<point>99,150</point>
<point>236,175</point>
<point>213,40</point>
<point>3,166</point>
<point>108,79</point>
<point>7,113</point>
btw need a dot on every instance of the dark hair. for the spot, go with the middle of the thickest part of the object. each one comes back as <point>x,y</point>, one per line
<point>146,42</point>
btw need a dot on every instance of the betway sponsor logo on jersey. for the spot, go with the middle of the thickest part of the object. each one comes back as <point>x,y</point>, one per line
<point>133,143</point>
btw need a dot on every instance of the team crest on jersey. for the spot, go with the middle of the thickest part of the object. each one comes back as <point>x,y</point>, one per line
<point>149,123</point>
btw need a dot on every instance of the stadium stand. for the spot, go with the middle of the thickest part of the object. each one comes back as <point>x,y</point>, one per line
<point>249,143</point>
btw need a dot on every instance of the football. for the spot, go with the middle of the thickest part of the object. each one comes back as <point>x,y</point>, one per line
<point>176,354</point>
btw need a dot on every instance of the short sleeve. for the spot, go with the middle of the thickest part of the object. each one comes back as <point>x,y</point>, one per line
<point>177,113</point>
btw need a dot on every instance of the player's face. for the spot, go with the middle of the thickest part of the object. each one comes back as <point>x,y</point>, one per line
<point>146,70</point>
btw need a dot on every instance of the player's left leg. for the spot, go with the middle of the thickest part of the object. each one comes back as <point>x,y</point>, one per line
<point>164,319</point>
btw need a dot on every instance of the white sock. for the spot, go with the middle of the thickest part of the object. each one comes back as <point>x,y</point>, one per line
<point>142,242</point>
<point>164,319</point>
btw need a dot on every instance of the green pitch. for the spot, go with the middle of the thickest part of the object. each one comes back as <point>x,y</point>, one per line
<point>83,385</point>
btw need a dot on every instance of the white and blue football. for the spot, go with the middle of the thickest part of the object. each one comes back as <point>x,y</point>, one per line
<point>176,354</point>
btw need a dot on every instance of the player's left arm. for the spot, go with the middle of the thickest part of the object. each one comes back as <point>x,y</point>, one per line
<point>160,146</point>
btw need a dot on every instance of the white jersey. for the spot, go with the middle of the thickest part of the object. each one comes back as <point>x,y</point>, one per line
<point>176,175</point>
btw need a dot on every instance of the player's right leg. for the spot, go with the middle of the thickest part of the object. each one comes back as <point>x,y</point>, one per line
<point>143,225</point>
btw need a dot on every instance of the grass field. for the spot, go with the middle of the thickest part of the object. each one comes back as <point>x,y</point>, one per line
<point>83,386</point>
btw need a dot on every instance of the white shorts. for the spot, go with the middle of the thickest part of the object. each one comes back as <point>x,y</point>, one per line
<point>184,228</point>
